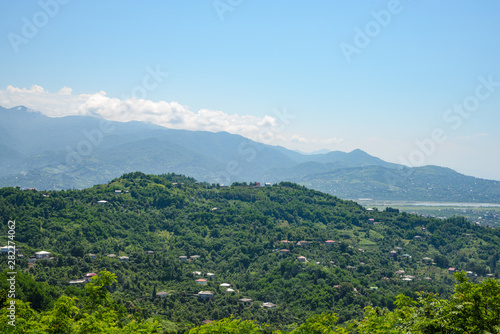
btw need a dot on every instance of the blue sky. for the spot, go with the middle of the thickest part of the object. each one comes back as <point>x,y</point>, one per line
<point>237,65</point>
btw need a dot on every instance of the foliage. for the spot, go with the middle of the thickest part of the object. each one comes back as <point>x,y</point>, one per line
<point>66,317</point>
<point>236,233</point>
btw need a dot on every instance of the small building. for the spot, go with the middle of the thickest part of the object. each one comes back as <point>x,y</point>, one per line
<point>393,253</point>
<point>162,294</point>
<point>92,256</point>
<point>330,242</point>
<point>399,272</point>
<point>42,255</point>
<point>196,273</point>
<point>246,301</point>
<point>6,249</point>
<point>89,276</point>
<point>102,202</point>
<point>451,270</point>
<point>417,237</point>
<point>371,220</point>
<point>225,285</point>
<point>183,258</point>
<point>301,259</point>
<point>78,281</point>
<point>205,294</point>
<point>490,275</point>
<point>111,256</point>
<point>406,279</point>
<point>302,243</point>
<point>284,251</point>
<point>267,184</point>
<point>230,290</point>
<point>427,259</point>
<point>210,276</point>
<point>284,241</point>
<point>408,256</point>
<point>194,257</point>
<point>150,252</point>
<point>201,281</point>
<point>268,305</point>
<point>398,248</point>
<point>469,274</point>
<point>124,258</point>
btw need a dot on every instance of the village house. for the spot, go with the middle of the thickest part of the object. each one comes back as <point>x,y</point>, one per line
<point>330,242</point>
<point>111,256</point>
<point>92,256</point>
<point>246,301</point>
<point>211,276</point>
<point>451,270</point>
<point>301,259</point>
<point>124,258</point>
<point>7,249</point>
<point>78,281</point>
<point>42,255</point>
<point>162,294</point>
<point>183,258</point>
<point>205,294</point>
<point>201,281</point>
<point>268,305</point>
<point>89,276</point>
<point>302,243</point>
<point>225,285</point>
<point>151,253</point>
<point>284,251</point>
<point>194,257</point>
<point>417,237</point>
<point>102,202</point>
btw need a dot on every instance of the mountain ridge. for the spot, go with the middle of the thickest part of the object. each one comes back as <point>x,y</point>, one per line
<point>42,152</point>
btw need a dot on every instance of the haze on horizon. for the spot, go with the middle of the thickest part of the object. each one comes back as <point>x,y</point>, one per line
<point>409,82</point>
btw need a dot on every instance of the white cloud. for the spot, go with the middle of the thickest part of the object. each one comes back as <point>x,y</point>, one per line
<point>299,139</point>
<point>169,114</point>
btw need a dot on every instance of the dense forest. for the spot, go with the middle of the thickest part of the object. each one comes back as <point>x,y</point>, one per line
<point>180,253</point>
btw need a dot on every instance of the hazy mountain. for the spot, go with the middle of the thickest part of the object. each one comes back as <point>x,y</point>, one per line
<point>80,151</point>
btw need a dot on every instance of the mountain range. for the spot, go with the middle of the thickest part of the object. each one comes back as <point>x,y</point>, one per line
<point>41,152</point>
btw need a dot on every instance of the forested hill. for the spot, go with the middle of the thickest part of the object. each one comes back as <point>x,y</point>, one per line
<point>71,152</point>
<point>237,233</point>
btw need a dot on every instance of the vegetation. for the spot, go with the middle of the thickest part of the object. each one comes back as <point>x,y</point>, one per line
<point>236,233</point>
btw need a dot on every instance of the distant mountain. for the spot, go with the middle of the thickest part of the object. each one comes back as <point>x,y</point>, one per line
<point>37,151</point>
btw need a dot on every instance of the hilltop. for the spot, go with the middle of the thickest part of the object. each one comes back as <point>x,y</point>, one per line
<point>71,152</point>
<point>172,230</point>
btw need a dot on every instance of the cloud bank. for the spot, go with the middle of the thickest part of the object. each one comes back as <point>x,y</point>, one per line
<point>169,114</point>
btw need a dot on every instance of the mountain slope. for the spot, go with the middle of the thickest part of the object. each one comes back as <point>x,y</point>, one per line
<point>79,151</point>
<point>236,233</point>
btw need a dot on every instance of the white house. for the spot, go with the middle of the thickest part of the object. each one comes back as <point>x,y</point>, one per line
<point>42,255</point>
<point>205,294</point>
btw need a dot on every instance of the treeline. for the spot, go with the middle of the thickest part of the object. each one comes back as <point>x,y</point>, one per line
<point>236,233</point>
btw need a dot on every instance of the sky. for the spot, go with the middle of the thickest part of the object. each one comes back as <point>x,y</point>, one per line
<point>411,82</point>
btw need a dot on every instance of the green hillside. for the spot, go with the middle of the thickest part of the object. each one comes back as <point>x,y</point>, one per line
<point>235,233</point>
